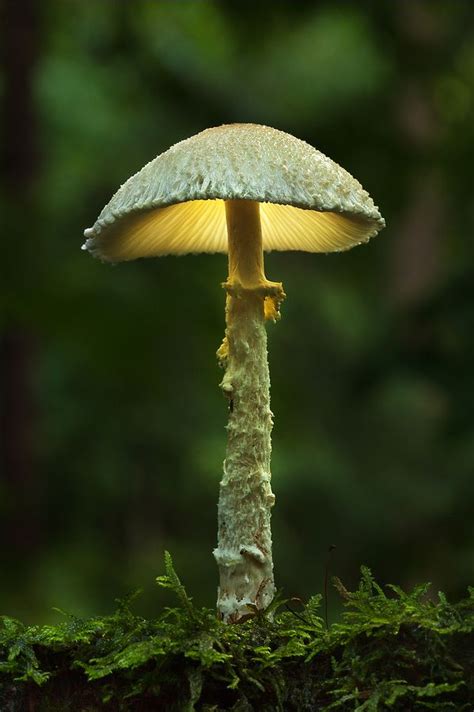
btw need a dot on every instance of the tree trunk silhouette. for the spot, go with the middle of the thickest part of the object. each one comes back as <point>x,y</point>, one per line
<point>19,48</point>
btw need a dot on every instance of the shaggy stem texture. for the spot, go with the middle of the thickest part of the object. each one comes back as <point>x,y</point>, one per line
<point>244,550</point>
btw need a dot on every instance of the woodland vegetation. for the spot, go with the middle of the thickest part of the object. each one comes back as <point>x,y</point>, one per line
<point>111,419</point>
<point>391,650</point>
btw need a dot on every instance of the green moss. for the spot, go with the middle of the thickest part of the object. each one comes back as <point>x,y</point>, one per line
<point>391,651</point>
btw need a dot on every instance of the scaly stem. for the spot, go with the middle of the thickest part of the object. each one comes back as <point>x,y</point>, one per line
<point>244,549</point>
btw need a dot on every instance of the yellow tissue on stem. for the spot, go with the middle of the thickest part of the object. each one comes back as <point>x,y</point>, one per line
<point>246,266</point>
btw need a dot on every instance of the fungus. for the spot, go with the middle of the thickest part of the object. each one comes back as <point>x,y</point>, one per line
<point>240,189</point>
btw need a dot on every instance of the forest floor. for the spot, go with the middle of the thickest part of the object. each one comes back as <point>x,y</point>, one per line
<point>391,650</point>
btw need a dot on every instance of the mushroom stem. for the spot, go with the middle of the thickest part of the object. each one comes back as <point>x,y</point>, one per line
<point>244,549</point>
<point>244,235</point>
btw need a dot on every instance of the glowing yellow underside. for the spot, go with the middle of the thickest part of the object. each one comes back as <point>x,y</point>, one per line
<point>200,226</point>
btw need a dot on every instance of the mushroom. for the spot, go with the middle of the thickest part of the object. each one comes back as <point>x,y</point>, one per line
<point>239,189</point>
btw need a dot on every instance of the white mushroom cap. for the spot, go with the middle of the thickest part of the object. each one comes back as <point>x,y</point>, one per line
<point>174,205</point>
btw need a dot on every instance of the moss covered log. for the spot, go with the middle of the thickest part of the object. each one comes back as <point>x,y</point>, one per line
<point>391,651</point>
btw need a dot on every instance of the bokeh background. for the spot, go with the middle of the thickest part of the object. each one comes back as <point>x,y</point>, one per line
<point>112,421</point>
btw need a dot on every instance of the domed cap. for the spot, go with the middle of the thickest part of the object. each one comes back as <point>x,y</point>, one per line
<point>174,205</point>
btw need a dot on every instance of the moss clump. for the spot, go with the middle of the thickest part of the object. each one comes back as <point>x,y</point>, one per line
<point>392,651</point>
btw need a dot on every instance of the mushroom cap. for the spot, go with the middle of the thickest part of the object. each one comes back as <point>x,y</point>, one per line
<point>175,204</point>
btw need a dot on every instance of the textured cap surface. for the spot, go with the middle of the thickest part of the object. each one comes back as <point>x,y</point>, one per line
<point>174,205</point>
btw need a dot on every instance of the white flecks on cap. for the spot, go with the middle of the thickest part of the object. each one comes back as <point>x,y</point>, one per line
<point>175,204</point>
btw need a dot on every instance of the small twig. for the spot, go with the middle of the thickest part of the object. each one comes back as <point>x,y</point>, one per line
<point>326,577</point>
<point>31,703</point>
<point>298,615</point>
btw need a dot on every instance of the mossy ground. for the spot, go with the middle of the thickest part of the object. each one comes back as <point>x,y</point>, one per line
<point>391,651</point>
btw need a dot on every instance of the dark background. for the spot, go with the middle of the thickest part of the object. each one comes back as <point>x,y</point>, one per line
<point>111,417</point>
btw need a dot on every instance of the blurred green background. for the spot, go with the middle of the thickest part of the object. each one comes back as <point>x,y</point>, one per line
<point>112,420</point>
